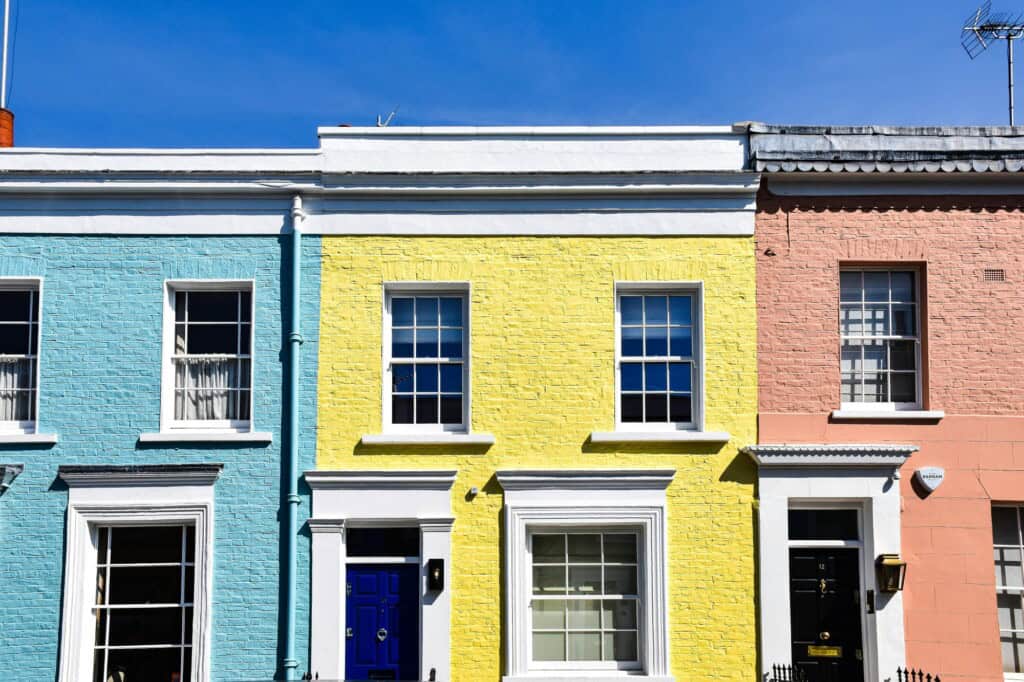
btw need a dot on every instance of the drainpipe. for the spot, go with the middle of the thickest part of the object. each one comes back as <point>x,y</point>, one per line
<point>290,664</point>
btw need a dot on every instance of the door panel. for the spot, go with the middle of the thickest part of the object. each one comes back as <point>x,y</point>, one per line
<point>825,614</point>
<point>382,612</point>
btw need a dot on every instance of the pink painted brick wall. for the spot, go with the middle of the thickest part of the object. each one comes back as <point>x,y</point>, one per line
<point>974,355</point>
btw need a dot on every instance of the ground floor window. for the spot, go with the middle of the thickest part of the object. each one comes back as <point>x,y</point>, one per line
<point>145,585</point>
<point>585,596</point>
<point>1007,552</point>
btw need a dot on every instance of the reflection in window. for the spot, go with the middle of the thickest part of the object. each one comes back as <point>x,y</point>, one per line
<point>19,355</point>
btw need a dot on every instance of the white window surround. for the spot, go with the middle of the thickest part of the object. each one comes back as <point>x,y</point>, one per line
<point>172,430</point>
<point>602,498</point>
<point>375,498</point>
<point>856,414</point>
<point>632,431</point>
<point>27,432</point>
<point>858,476</point>
<point>145,495</point>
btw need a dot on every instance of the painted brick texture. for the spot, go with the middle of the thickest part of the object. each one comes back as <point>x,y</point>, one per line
<point>100,388</point>
<point>974,364</point>
<point>542,352</point>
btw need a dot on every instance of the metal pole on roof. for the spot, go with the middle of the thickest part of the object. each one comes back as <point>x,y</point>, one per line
<point>1009,66</point>
<point>3,78</point>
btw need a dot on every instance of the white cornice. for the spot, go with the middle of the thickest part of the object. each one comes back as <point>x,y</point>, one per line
<point>585,479</point>
<point>143,475</point>
<point>441,479</point>
<point>840,455</point>
<point>526,131</point>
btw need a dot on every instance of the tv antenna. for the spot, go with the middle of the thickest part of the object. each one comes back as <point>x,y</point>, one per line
<point>982,28</point>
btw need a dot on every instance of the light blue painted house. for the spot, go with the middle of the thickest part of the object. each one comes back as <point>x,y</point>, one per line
<point>147,439</point>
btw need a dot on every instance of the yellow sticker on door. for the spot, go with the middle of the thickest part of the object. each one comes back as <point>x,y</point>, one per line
<point>825,651</point>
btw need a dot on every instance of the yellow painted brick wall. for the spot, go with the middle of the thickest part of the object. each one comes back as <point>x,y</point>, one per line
<point>542,353</point>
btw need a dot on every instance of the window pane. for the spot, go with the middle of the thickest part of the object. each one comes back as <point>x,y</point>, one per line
<point>876,286</point>
<point>426,343</point>
<point>679,377</point>
<point>1013,652</point>
<point>823,524</point>
<point>402,378</point>
<point>549,579</point>
<point>620,548</point>
<point>548,614</point>
<point>426,311</point>
<point>850,286</point>
<point>584,646</point>
<point>632,408</point>
<point>426,409</point>
<point>680,311</point>
<point>14,306</point>
<point>903,388</point>
<point>451,409</point>
<point>875,388</point>
<point>213,306</point>
<point>180,306</point>
<point>851,320</point>
<point>548,549</point>
<point>244,339</point>
<point>904,322</point>
<point>401,312</point>
<point>245,306</point>
<point>876,320</point>
<point>655,309</point>
<point>426,378</point>
<point>903,355</point>
<point>401,410</point>
<point>585,614</point>
<point>849,387</point>
<point>548,646</point>
<point>401,542</point>
<point>221,339</point>
<point>632,341</point>
<point>145,626</point>
<point>141,664</point>
<point>451,378</point>
<point>451,343</point>
<point>632,309</point>
<point>680,409</point>
<point>875,356</point>
<point>656,376</point>
<point>1008,567</point>
<point>619,614</point>
<point>620,646</point>
<point>145,545</point>
<point>656,406</point>
<point>620,580</point>
<point>903,287</point>
<point>145,585</point>
<point>681,341</point>
<point>1010,615</point>
<point>179,338</point>
<point>14,339</point>
<point>451,312</point>
<point>850,356</point>
<point>657,341</point>
<point>632,376</point>
<point>584,549</point>
<point>1004,526</point>
<point>584,580</point>
<point>401,343</point>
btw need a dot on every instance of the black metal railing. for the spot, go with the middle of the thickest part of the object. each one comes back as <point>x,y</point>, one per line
<point>911,675</point>
<point>790,673</point>
<point>786,673</point>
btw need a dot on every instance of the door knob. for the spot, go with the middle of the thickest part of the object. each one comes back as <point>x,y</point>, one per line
<point>382,634</point>
<point>824,636</point>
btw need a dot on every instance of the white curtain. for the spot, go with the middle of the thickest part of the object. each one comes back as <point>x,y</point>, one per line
<point>206,382</point>
<point>15,374</point>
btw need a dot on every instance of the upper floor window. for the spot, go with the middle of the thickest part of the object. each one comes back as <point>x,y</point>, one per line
<point>879,325</point>
<point>211,356</point>
<point>19,355</point>
<point>426,368</point>
<point>1007,549</point>
<point>658,359</point>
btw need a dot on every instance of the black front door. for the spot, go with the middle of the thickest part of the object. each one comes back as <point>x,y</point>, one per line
<point>824,597</point>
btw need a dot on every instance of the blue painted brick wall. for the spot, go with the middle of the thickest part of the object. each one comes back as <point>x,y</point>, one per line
<point>100,388</point>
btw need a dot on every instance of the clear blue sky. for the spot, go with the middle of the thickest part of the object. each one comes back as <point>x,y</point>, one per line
<point>259,73</point>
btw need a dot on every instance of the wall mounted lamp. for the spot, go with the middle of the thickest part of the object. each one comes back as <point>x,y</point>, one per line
<point>891,571</point>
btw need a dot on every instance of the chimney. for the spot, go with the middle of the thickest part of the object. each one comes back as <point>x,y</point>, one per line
<point>6,128</point>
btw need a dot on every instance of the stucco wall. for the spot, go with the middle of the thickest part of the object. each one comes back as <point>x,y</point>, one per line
<point>542,353</point>
<point>974,363</point>
<point>100,388</point>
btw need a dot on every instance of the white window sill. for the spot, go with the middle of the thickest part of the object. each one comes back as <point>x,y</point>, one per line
<point>588,676</point>
<point>207,437</point>
<point>28,438</point>
<point>441,438</point>
<point>659,437</point>
<point>894,415</point>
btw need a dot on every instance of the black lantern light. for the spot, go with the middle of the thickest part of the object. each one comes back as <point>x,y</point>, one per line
<point>435,575</point>
<point>892,571</point>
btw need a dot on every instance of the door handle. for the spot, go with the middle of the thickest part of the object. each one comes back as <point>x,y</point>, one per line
<point>382,634</point>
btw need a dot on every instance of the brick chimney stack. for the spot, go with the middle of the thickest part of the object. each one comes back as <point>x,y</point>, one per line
<point>6,128</point>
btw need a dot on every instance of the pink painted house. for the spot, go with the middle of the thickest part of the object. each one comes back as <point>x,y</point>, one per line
<point>890,289</point>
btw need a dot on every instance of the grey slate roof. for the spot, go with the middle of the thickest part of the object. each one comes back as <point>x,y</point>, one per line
<point>885,149</point>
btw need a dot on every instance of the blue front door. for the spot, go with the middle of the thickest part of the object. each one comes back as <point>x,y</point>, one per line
<point>382,622</point>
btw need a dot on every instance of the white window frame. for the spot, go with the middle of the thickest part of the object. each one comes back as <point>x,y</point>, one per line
<point>696,290</point>
<point>1005,588</point>
<point>34,284</point>
<point>571,500</point>
<point>142,499</point>
<point>408,289</point>
<point>168,423</point>
<point>888,407</point>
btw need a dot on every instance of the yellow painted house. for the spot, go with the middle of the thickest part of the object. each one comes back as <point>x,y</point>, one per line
<point>537,364</point>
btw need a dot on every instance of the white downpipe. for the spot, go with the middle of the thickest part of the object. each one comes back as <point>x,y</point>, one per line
<point>3,77</point>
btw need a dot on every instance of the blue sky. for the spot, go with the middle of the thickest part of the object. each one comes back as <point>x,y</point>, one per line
<point>259,73</point>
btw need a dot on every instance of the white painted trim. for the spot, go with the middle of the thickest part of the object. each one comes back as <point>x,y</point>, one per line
<point>890,415</point>
<point>528,131</point>
<point>659,437</point>
<point>200,436</point>
<point>12,431</point>
<point>90,506</point>
<point>787,480</point>
<point>439,438</point>
<point>606,498</point>
<point>378,498</point>
<point>28,438</point>
<point>139,476</point>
